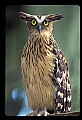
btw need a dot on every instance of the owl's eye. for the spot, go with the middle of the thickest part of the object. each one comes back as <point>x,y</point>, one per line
<point>45,23</point>
<point>33,22</point>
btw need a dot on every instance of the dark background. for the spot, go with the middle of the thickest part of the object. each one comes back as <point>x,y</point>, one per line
<point>67,34</point>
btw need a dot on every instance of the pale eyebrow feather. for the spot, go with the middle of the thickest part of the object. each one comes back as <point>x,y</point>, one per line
<point>40,20</point>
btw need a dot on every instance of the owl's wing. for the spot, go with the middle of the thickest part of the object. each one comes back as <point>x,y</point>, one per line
<point>61,81</point>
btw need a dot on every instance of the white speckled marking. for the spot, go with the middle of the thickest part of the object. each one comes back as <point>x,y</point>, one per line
<point>60,94</point>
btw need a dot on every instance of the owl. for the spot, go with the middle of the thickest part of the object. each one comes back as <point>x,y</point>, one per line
<point>44,68</point>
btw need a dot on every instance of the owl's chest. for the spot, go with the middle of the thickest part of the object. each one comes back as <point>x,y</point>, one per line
<point>40,88</point>
<point>40,63</point>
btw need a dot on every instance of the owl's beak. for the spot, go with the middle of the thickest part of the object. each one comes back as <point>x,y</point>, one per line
<point>40,28</point>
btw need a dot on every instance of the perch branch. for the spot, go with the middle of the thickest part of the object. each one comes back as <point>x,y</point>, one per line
<point>56,114</point>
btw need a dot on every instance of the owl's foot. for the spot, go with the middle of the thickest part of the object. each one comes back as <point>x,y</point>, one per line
<point>43,113</point>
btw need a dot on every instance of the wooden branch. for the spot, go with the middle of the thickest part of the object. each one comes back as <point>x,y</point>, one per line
<point>56,114</point>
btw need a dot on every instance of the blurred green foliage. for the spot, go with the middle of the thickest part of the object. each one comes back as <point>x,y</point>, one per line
<point>67,35</point>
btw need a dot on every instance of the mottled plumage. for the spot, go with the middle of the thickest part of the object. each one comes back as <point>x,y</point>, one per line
<point>44,67</point>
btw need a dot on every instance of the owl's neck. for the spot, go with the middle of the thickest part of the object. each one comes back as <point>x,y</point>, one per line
<point>44,37</point>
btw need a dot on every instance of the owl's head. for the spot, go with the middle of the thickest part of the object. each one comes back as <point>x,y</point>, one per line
<point>40,23</point>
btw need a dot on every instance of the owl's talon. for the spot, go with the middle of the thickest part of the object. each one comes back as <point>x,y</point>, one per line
<point>43,113</point>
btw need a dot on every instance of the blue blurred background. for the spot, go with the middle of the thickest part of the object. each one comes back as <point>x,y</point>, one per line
<point>67,34</point>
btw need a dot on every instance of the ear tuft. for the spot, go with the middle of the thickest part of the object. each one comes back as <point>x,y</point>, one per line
<point>54,17</point>
<point>24,16</point>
